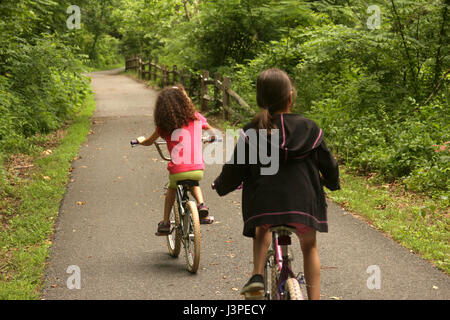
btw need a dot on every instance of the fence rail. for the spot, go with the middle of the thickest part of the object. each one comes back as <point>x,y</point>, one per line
<point>197,85</point>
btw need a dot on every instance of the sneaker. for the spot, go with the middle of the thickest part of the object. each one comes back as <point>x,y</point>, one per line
<point>203,210</point>
<point>163,229</point>
<point>256,283</point>
<point>203,213</point>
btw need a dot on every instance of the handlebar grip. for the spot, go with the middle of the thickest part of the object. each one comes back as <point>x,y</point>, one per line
<point>134,142</point>
<point>213,186</point>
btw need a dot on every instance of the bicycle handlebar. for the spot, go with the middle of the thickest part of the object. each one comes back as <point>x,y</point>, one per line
<point>209,139</point>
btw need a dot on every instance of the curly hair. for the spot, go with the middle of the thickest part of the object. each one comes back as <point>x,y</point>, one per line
<point>173,109</point>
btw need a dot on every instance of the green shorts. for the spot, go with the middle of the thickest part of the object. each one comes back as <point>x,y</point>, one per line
<point>195,175</point>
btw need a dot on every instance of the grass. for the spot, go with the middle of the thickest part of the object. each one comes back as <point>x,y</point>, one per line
<point>419,223</point>
<point>31,208</point>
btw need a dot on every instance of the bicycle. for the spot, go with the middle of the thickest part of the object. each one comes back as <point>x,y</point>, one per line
<point>184,218</point>
<point>281,283</point>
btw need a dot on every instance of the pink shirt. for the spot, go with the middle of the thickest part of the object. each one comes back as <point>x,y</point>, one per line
<point>185,146</point>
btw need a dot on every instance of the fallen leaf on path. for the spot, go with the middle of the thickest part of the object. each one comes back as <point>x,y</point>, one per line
<point>235,289</point>
<point>435,287</point>
<point>53,286</point>
<point>81,203</point>
<point>335,298</point>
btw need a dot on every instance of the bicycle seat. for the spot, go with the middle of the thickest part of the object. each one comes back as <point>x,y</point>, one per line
<point>190,183</point>
<point>283,229</point>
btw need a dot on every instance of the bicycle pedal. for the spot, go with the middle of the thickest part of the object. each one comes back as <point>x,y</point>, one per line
<point>254,295</point>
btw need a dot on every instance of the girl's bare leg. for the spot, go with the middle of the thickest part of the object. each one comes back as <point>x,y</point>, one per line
<point>261,243</point>
<point>198,195</point>
<point>168,204</point>
<point>311,263</point>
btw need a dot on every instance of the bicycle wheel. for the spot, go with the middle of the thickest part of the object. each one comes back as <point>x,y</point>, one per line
<point>292,289</point>
<point>274,276</point>
<point>174,239</point>
<point>193,237</point>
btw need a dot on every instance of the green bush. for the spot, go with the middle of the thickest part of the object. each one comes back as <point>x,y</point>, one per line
<point>42,86</point>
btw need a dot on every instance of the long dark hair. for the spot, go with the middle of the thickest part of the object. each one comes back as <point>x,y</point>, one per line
<point>173,109</point>
<point>273,90</point>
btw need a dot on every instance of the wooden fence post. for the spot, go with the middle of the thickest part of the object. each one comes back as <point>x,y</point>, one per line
<point>163,77</point>
<point>217,79</point>
<point>182,80</point>
<point>139,71</point>
<point>156,70</point>
<point>226,97</point>
<point>174,72</point>
<point>149,69</point>
<point>204,90</point>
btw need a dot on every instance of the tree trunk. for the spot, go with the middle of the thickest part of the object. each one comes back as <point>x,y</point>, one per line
<point>186,10</point>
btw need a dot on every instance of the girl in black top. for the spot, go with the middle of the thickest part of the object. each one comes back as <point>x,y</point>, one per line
<point>294,195</point>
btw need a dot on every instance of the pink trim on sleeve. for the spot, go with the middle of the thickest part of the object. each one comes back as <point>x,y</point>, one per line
<point>320,134</point>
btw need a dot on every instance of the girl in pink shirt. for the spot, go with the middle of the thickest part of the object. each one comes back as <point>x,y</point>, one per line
<point>180,125</point>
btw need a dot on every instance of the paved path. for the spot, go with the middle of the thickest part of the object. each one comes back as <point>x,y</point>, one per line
<point>111,237</point>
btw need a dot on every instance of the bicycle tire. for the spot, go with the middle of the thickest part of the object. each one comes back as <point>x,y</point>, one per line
<point>293,290</point>
<point>193,237</point>
<point>274,276</point>
<point>174,239</point>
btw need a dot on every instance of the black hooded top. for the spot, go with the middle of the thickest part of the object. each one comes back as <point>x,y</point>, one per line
<point>295,192</point>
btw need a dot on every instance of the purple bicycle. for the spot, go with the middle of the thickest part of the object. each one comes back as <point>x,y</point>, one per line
<point>280,282</point>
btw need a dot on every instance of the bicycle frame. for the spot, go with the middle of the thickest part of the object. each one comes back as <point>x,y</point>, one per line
<point>281,239</point>
<point>181,199</point>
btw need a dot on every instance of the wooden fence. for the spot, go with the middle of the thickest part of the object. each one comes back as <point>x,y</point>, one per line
<point>196,84</point>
